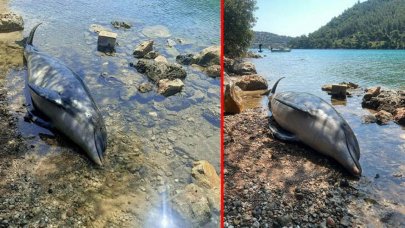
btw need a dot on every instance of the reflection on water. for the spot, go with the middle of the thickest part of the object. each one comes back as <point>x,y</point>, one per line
<point>153,140</point>
<point>382,147</point>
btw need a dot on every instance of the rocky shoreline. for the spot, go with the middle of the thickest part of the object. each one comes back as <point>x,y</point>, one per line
<point>270,183</point>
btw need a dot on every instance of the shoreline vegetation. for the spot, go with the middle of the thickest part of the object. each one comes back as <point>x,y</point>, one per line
<point>373,24</point>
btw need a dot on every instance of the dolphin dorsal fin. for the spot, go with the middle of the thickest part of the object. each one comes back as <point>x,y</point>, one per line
<point>273,90</point>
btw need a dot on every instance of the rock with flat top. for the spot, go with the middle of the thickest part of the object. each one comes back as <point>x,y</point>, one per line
<point>338,91</point>
<point>106,41</point>
<point>11,22</point>
<point>143,48</point>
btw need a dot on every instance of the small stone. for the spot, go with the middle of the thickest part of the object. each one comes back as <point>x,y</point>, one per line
<point>145,87</point>
<point>143,48</point>
<point>330,222</point>
<point>170,87</point>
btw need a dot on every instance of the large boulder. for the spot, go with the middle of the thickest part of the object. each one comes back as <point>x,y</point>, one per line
<point>11,22</point>
<point>193,205</point>
<point>160,70</point>
<point>170,87</point>
<point>243,68</point>
<point>202,197</point>
<point>208,57</point>
<point>388,100</point>
<point>399,115</point>
<point>251,82</point>
<point>205,175</point>
<point>143,48</point>
<point>232,100</point>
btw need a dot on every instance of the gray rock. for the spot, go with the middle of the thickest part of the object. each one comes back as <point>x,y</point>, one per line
<point>208,57</point>
<point>11,22</point>
<point>369,119</point>
<point>151,55</point>
<point>186,59</point>
<point>106,41</point>
<point>143,48</point>
<point>213,71</point>
<point>170,87</point>
<point>121,24</point>
<point>160,70</point>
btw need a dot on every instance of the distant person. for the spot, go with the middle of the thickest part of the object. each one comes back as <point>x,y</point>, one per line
<point>260,48</point>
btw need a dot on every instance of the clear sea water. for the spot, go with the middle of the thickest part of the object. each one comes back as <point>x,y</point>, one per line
<point>166,134</point>
<point>382,147</point>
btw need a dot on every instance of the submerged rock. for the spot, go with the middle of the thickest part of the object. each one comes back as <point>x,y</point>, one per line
<point>251,82</point>
<point>160,70</point>
<point>170,87</point>
<point>204,175</point>
<point>145,87</point>
<point>383,117</point>
<point>186,59</point>
<point>213,71</point>
<point>170,43</point>
<point>157,31</point>
<point>11,22</point>
<point>143,48</point>
<point>121,24</point>
<point>151,55</point>
<point>369,119</point>
<point>193,205</point>
<point>208,57</point>
<point>200,198</point>
<point>97,28</point>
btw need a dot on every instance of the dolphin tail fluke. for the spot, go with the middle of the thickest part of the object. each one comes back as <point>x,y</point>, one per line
<point>273,90</point>
<point>31,36</point>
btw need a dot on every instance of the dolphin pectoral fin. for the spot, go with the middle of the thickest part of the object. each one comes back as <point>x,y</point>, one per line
<point>37,120</point>
<point>282,134</point>
<point>301,108</point>
<point>47,94</point>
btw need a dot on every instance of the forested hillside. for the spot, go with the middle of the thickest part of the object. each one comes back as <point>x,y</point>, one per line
<point>376,24</point>
<point>268,39</point>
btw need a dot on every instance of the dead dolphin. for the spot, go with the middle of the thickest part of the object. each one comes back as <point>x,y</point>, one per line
<point>309,119</point>
<point>62,97</point>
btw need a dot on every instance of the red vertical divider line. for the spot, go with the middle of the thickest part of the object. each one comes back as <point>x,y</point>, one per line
<point>222,7</point>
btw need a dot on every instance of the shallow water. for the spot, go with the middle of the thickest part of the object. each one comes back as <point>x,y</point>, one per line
<point>382,147</point>
<point>167,133</point>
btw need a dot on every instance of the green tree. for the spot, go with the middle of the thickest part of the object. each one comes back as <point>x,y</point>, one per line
<point>238,23</point>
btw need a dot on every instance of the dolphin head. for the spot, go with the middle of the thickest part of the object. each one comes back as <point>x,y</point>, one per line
<point>94,136</point>
<point>349,150</point>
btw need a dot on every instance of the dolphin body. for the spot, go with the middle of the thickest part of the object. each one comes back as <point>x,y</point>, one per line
<point>62,97</point>
<point>308,119</point>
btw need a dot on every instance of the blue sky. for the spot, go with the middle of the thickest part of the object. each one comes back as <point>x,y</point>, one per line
<point>297,17</point>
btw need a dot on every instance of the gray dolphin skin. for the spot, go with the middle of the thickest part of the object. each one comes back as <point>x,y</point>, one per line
<point>60,95</point>
<point>309,119</point>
